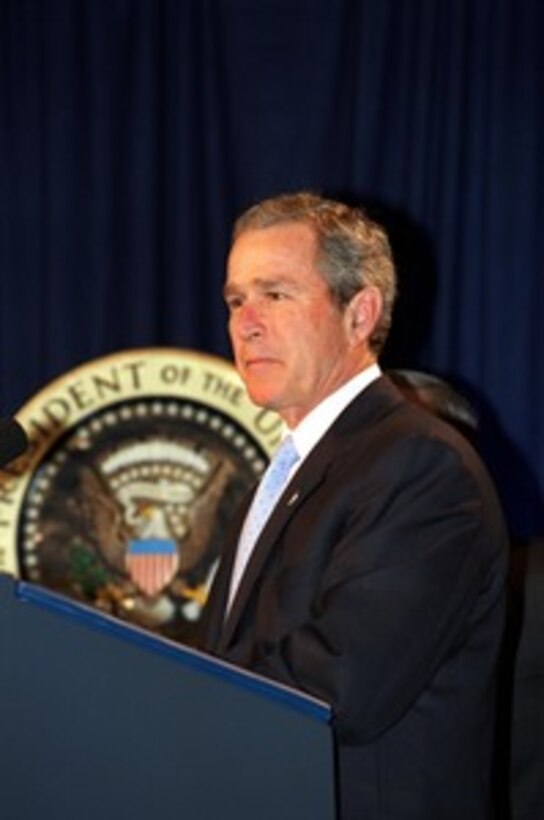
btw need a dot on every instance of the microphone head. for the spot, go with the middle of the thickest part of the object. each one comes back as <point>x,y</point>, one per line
<point>13,441</point>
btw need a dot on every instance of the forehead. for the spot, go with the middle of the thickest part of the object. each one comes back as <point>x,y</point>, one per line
<point>282,248</point>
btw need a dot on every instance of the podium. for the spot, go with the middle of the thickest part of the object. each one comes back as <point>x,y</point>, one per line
<point>99,719</point>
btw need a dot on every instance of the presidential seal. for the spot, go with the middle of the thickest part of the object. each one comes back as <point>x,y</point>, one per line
<point>136,463</point>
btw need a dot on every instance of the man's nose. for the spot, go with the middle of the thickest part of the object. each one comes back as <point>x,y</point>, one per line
<point>248,321</point>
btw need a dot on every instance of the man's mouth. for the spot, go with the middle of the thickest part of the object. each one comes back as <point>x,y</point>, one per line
<point>256,362</point>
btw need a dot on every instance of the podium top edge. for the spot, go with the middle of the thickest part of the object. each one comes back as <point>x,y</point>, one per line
<point>58,604</point>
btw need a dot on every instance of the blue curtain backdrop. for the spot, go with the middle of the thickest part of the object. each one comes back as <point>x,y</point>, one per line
<point>133,131</point>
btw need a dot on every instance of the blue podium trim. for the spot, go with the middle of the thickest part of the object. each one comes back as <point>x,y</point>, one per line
<point>186,656</point>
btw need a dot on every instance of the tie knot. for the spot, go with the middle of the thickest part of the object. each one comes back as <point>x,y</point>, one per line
<point>286,455</point>
<point>278,472</point>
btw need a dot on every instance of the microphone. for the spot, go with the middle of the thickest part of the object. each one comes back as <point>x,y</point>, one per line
<point>13,441</point>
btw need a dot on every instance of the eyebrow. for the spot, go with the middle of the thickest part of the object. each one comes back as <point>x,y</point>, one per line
<point>261,283</point>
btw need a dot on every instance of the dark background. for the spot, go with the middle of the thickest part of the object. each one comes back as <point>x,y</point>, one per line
<point>132,132</point>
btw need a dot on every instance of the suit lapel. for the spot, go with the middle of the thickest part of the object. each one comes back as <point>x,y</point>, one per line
<point>215,608</point>
<point>360,416</point>
<point>302,484</point>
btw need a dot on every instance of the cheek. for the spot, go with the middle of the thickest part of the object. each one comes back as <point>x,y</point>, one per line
<point>308,353</point>
<point>323,334</point>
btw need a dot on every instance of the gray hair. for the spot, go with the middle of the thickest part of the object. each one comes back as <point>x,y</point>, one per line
<point>353,251</point>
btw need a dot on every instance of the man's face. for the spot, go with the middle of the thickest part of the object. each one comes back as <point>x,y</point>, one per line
<point>292,344</point>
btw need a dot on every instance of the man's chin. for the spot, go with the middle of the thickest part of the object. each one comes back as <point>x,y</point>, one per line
<point>261,395</point>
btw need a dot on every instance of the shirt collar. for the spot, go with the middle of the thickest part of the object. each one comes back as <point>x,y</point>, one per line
<point>313,426</point>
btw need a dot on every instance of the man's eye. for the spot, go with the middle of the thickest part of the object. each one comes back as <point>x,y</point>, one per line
<point>275,295</point>
<point>233,302</point>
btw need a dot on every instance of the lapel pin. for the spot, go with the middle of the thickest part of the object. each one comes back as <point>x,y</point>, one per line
<point>293,498</point>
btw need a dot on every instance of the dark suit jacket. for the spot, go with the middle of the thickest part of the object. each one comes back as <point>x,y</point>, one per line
<point>377,585</point>
<point>525,665</point>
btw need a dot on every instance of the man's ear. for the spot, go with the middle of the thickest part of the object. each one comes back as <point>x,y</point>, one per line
<point>363,313</point>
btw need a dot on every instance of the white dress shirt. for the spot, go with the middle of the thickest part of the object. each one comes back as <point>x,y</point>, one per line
<point>313,427</point>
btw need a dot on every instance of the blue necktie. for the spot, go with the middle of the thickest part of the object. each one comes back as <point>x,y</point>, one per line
<point>264,501</point>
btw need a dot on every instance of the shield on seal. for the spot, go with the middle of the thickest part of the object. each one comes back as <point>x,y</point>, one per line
<point>152,563</point>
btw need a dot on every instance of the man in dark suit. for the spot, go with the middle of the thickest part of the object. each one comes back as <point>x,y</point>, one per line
<point>377,581</point>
